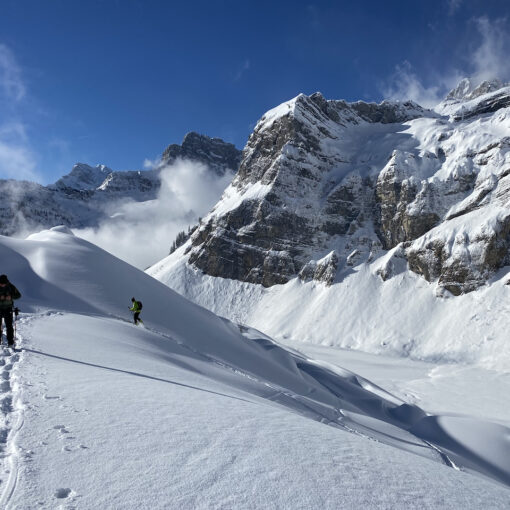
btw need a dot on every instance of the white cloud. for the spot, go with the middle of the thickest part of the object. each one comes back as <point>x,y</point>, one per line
<point>11,81</point>
<point>17,162</point>
<point>405,84</point>
<point>490,59</point>
<point>141,233</point>
<point>487,59</point>
<point>17,158</point>
<point>149,164</point>
<point>13,131</point>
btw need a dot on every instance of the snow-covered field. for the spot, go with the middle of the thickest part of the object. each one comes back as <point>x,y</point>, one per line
<point>193,411</point>
<point>402,316</point>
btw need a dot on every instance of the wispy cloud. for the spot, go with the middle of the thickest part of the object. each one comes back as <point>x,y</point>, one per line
<point>149,164</point>
<point>245,66</point>
<point>11,81</point>
<point>142,232</point>
<point>405,84</point>
<point>17,158</point>
<point>17,161</point>
<point>453,6</point>
<point>491,59</point>
<point>13,131</point>
<point>485,60</point>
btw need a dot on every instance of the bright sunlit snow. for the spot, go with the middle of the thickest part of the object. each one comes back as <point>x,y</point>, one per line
<point>193,411</point>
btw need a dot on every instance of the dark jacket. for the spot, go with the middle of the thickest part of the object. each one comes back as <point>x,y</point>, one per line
<point>8,293</point>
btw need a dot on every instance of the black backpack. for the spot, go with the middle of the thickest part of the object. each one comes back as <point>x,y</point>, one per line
<point>140,306</point>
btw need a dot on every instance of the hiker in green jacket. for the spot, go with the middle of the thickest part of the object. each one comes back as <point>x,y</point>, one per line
<point>136,308</point>
<point>8,293</point>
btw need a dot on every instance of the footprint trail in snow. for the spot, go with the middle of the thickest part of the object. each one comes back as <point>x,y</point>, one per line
<point>11,421</point>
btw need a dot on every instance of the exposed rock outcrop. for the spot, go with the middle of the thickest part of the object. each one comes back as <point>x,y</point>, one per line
<point>218,155</point>
<point>297,192</point>
<point>323,270</point>
<point>463,253</point>
<point>326,185</point>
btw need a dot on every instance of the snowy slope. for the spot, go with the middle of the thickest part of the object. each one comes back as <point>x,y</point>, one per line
<point>193,411</point>
<point>399,316</point>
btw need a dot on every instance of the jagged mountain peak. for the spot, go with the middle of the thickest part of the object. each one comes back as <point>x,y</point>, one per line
<point>463,88</point>
<point>84,177</point>
<point>305,108</point>
<point>192,138</point>
<point>471,98</point>
<point>217,154</point>
<point>468,88</point>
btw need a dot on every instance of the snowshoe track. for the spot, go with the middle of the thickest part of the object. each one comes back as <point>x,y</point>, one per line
<point>11,422</point>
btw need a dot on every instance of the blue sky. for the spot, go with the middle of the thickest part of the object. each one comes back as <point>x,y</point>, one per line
<point>115,82</point>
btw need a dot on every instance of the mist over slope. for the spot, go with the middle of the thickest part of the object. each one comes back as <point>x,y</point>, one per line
<point>133,214</point>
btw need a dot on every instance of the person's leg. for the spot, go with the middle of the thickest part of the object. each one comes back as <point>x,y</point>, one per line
<point>135,317</point>
<point>8,327</point>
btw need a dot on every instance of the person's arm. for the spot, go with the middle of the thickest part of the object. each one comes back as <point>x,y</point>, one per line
<point>16,294</point>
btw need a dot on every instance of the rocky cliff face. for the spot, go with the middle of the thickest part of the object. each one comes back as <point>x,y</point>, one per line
<point>85,196</point>
<point>327,185</point>
<point>218,155</point>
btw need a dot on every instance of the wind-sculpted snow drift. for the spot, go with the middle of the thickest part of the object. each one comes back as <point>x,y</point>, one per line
<point>60,273</point>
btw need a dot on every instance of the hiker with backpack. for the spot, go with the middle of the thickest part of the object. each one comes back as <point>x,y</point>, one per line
<point>136,308</point>
<point>8,293</point>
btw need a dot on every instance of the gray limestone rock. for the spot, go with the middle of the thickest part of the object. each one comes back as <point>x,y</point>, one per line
<point>491,104</point>
<point>272,238</point>
<point>326,185</point>
<point>465,262</point>
<point>218,155</point>
<point>323,270</point>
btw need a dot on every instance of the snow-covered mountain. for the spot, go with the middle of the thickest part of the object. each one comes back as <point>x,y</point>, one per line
<point>85,197</point>
<point>98,413</point>
<point>84,177</point>
<point>372,200</point>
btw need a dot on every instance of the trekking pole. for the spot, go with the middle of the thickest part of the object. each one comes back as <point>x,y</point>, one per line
<point>16,312</point>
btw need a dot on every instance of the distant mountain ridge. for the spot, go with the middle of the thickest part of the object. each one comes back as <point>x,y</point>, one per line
<point>82,197</point>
